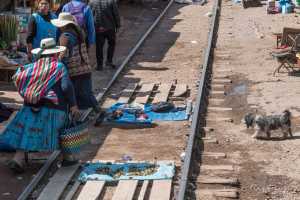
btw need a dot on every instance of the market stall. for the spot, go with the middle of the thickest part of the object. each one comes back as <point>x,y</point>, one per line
<point>14,18</point>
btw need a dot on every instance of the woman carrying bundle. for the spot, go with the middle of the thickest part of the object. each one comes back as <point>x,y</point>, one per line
<point>48,96</point>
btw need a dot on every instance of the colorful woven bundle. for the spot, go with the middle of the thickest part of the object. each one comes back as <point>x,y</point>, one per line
<point>35,80</point>
<point>73,138</point>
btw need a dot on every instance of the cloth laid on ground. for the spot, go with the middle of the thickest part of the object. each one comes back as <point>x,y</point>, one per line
<point>143,114</point>
<point>106,171</point>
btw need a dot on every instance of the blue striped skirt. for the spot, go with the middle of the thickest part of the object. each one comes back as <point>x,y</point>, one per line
<point>34,131</point>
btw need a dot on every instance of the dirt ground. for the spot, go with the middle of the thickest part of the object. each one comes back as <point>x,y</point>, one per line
<point>267,169</point>
<point>135,20</point>
<point>173,51</point>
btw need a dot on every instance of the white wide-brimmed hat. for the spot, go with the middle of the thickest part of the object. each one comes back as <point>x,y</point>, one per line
<point>64,19</point>
<point>47,47</point>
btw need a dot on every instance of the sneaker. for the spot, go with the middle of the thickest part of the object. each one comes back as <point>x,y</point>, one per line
<point>109,64</point>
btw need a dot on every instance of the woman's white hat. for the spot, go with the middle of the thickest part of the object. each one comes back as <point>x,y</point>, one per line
<point>47,47</point>
<point>64,19</point>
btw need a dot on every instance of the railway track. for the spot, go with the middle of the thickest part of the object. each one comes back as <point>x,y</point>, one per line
<point>63,183</point>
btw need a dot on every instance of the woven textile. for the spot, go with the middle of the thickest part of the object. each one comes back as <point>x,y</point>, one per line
<point>34,81</point>
<point>34,131</point>
<point>73,137</point>
<point>75,65</point>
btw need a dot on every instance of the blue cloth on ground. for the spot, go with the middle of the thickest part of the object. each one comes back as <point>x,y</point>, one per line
<point>129,117</point>
<point>106,171</point>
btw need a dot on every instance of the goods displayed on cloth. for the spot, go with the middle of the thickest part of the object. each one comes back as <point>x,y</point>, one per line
<point>145,114</point>
<point>74,136</point>
<point>107,171</point>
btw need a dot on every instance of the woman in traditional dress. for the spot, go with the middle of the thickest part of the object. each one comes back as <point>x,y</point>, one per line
<point>40,27</point>
<point>48,93</point>
<point>76,59</point>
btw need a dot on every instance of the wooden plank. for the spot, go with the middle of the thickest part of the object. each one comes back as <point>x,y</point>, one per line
<point>161,190</point>
<point>212,108</point>
<point>143,191</point>
<point>220,81</point>
<point>125,190</point>
<point>217,167</point>
<point>127,93</point>
<point>163,93</point>
<point>180,90</point>
<point>209,141</point>
<point>144,93</point>
<point>214,92</point>
<point>214,154</point>
<point>225,193</point>
<point>58,183</point>
<point>91,190</point>
<point>217,180</point>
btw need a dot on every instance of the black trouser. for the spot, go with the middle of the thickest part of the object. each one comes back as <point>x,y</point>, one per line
<point>110,36</point>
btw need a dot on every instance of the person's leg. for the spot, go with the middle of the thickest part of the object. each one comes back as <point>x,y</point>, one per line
<point>84,93</point>
<point>100,40</point>
<point>111,38</point>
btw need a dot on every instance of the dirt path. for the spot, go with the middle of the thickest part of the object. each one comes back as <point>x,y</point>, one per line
<point>173,51</point>
<point>135,20</point>
<point>266,169</point>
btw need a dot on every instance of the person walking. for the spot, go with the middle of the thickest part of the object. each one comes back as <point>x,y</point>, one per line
<point>48,94</point>
<point>76,59</point>
<point>107,23</point>
<point>84,18</point>
<point>40,27</point>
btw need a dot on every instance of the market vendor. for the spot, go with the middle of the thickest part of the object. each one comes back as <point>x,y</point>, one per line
<point>48,98</point>
<point>40,27</point>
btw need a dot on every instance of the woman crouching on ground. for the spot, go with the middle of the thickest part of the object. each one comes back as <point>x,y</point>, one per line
<point>47,92</point>
<point>76,60</point>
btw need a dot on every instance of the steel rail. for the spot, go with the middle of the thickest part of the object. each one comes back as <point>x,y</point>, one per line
<point>199,102</point>
<point>32,185</point>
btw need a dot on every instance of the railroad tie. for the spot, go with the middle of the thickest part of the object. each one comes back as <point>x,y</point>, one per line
<point>125,190</point>
<point>217,180</point>
<point>218,193</point>
<point>161,190</point>
<point>127,93</point>
<point>91,190</point>
<point>221,81</point>
<point>219,109</point>
<point>215,155</point>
